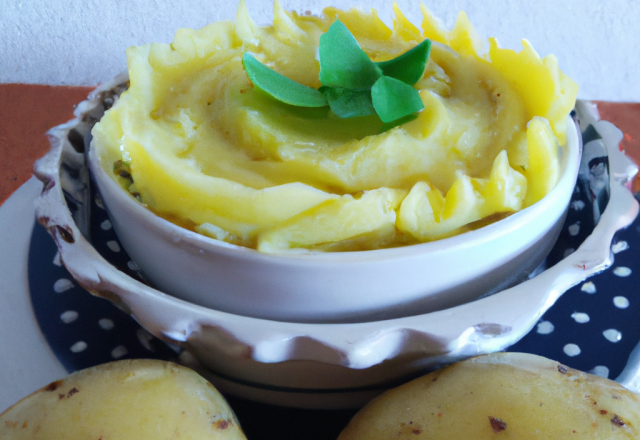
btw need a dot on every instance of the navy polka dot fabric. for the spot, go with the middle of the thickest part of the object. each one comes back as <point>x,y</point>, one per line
<point>594,326</point>
<point>81,329</point>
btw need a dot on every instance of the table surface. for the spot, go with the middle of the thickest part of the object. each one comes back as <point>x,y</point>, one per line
<point>27,362</point>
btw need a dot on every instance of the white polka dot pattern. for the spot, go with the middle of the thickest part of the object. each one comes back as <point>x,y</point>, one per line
<point>119,351</point>
<point>545,328</point>
<point>595,324</point>
<point>105,225</point>
<point>62,285</point>
<point>619,247</point>
<point>69,316</point>
<point>622,271</point>
<point>580,318</point>
<point>78,347</point>
<point>571,350</point>
<point>600,370</point>
<point>578,205</point>
<point>106,324</point>
<point>113,245</point>
<point>621,302</point>
<point>612,335</point>
<point>589,288</point>
<point>81,329</point>
<point>574,229</point>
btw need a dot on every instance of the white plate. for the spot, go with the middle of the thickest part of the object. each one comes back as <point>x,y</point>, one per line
<point>26,361</point>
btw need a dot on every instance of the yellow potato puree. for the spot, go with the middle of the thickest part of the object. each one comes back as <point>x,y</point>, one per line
<point>209,152</point>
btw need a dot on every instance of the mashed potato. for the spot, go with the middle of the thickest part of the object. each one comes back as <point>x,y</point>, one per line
<point>195,143</point>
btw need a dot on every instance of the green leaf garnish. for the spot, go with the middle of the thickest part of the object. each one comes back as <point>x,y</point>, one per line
<point>347,103</point>
<point>343,63</point>
<point>352,84</point>
<point>279,86</point>
<point>408,67</point>
<point>394,99</point>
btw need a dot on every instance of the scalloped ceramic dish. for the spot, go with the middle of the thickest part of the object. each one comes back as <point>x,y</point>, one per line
<point>318,364</point>
<point>339,286</point>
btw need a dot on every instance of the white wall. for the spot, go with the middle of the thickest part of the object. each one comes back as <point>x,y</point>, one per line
<point>82,42</point>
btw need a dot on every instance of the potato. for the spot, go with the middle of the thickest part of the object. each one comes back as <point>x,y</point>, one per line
<point>501,396</point>
<point>130,399</point>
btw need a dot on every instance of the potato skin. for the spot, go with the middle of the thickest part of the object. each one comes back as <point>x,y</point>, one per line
<point>130,399</point>
<point>501,396</point>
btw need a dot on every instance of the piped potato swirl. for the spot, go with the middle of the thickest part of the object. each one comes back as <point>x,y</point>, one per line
<point>206,150</point>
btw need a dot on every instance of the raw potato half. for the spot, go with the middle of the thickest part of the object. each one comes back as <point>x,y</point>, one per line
<point>124,400</point>
<point>501,396</point>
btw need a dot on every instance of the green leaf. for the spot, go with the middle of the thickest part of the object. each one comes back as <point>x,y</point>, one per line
<point>347,103</point>
<point>279,86</point>
<point>394,99</point>
<point>343,63</point>
<point>353,85</point>
<point>408,67</point>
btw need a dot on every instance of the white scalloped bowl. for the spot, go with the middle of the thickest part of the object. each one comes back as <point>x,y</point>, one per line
<point>339,287</point>
<point>326,365</point>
